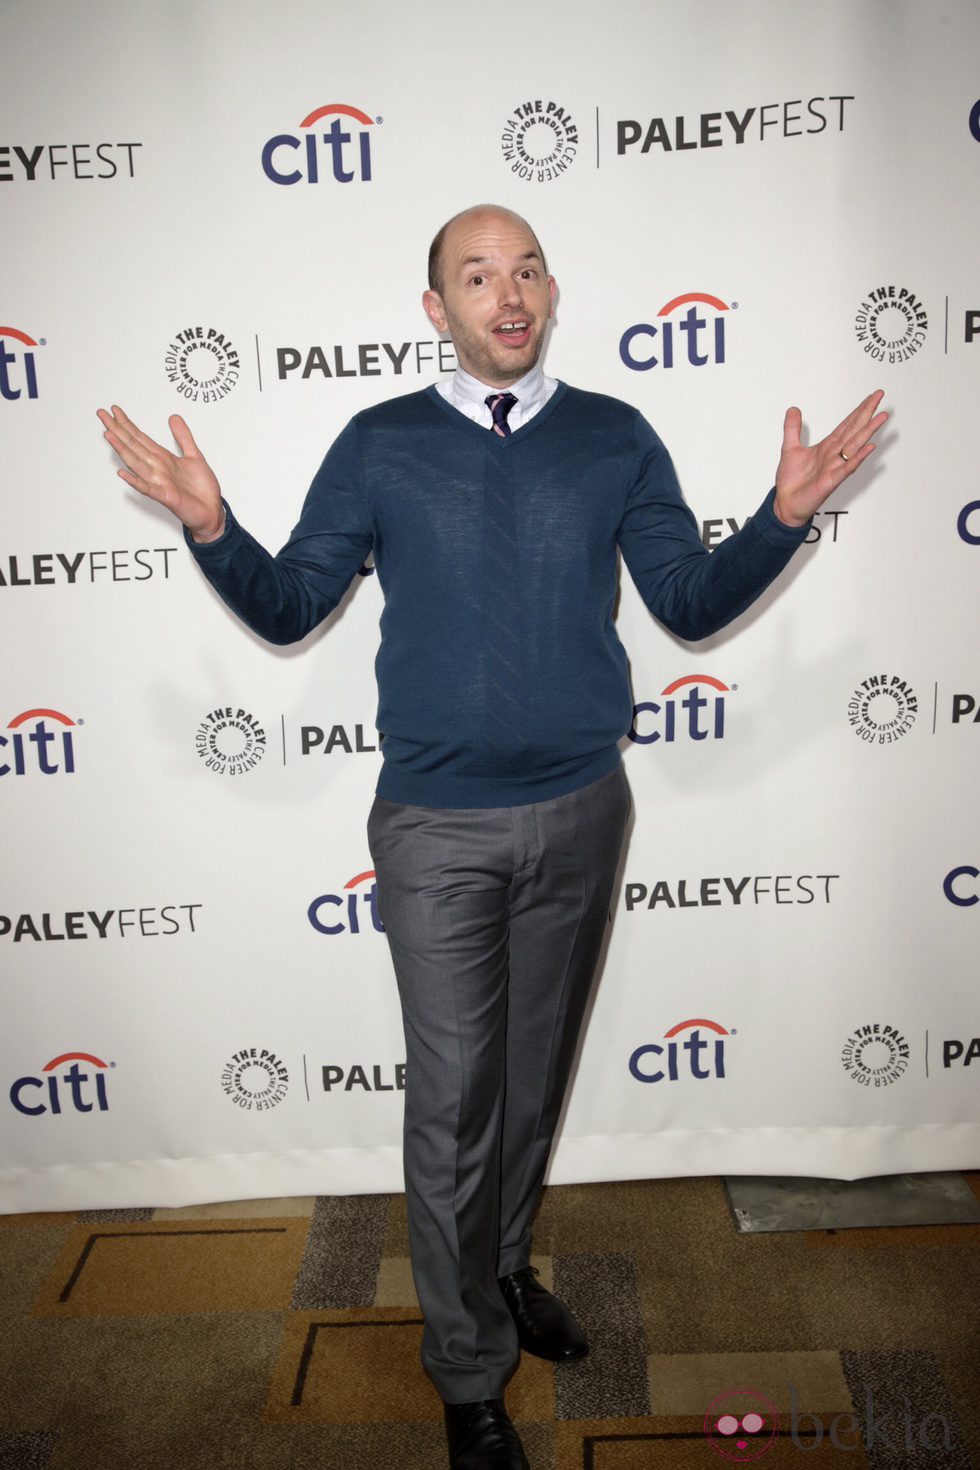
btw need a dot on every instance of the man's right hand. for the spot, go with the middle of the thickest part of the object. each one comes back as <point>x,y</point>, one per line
<point>184,483</point>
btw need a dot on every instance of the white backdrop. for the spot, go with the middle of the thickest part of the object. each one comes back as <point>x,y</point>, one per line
<point>790,983</point>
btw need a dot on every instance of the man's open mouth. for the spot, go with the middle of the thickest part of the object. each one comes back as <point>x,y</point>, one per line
<point>516,331</point>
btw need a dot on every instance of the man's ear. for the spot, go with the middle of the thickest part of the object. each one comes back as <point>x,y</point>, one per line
<point>434,310</point>
<point>552,288</point>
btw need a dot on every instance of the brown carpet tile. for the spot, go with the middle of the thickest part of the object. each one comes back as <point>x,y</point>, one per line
<point>343,1252</point>
<point>287,1333</point>
<point>602,1290</point>
<point>26,1451</point>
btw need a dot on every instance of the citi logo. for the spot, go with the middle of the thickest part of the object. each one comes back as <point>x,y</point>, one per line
<point>17,368</point>
<point>959,890</point>
<point>51,1093</point>
<point>702,718</point>
<point>647,1065</point>
<point>354,899</point>
<point>968,523</point>
<point>38,749</point>
<point>702,326</point>
<point>348,153</point>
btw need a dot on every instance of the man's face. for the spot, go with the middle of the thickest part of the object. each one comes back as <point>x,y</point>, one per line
<point>495,300</point>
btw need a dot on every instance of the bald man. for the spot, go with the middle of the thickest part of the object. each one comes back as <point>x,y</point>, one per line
<point>495,505</point>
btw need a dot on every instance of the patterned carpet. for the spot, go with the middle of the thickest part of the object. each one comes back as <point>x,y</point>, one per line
<point>285,1333</point>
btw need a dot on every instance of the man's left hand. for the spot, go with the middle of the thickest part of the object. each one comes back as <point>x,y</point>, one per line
<point>808,474</point>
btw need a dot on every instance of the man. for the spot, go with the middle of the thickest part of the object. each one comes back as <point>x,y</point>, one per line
<point>494,505</point>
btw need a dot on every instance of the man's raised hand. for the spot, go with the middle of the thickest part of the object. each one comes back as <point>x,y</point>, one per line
<point>808,474</point>
<point>184,483</point>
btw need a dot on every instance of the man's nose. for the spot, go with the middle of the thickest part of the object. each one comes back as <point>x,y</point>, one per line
<point>509,293</point>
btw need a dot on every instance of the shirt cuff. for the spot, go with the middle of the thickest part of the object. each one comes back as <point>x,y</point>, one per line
<point>775,531</point>
<point>223,543</point>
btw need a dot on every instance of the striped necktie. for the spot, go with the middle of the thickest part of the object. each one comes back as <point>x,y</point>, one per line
<point>500,405</point>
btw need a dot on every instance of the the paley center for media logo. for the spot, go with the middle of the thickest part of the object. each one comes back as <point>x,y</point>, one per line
<point>882,709</point>
<point>230,741</point>
<point>255,1079</point>
<point>875,1055</point>
<point>202,364</point>
<point>539,141</point>
<point>891,324</point>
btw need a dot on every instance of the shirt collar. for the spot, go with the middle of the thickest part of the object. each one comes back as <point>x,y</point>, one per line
<point>467,392</point>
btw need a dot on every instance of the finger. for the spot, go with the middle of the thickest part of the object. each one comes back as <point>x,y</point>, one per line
<point>125,425</point>
<point>163,493</point>
<point>134,480</point>
<point>848,466</point>
<point>113,425</point>
<point>183,435</point>
<point>859,415</point>
<point>118,435</point>
<point>854,441</point>
<point>131,453</point>
<point>792,424</point>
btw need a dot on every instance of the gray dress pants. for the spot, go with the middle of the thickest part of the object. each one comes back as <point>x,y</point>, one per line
<point>495,918</point>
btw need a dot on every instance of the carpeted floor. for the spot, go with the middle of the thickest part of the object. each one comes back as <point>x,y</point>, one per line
<point>285,1334</point>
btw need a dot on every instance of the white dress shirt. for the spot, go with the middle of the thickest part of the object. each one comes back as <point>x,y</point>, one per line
<point>467,394</point>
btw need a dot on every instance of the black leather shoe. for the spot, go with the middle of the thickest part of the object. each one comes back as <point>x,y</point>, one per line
<point>481,1437</point>
<point>545,1326</point>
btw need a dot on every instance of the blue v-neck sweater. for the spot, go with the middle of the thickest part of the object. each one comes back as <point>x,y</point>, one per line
<point>501,678</point>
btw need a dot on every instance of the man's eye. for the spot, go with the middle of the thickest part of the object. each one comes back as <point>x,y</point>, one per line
<point>476,280</point>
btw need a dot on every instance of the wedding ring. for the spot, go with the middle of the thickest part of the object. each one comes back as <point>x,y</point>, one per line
<point>843,456</point>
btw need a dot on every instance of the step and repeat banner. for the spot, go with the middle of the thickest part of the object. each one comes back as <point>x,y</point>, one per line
<point>224,210</point>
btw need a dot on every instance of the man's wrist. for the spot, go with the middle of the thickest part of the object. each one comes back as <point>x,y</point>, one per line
<point>201,538</point>
<point>787,519</point>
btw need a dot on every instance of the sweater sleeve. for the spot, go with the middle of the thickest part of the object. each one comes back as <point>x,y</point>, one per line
<point>283,597</point>
<point>692,591</point>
